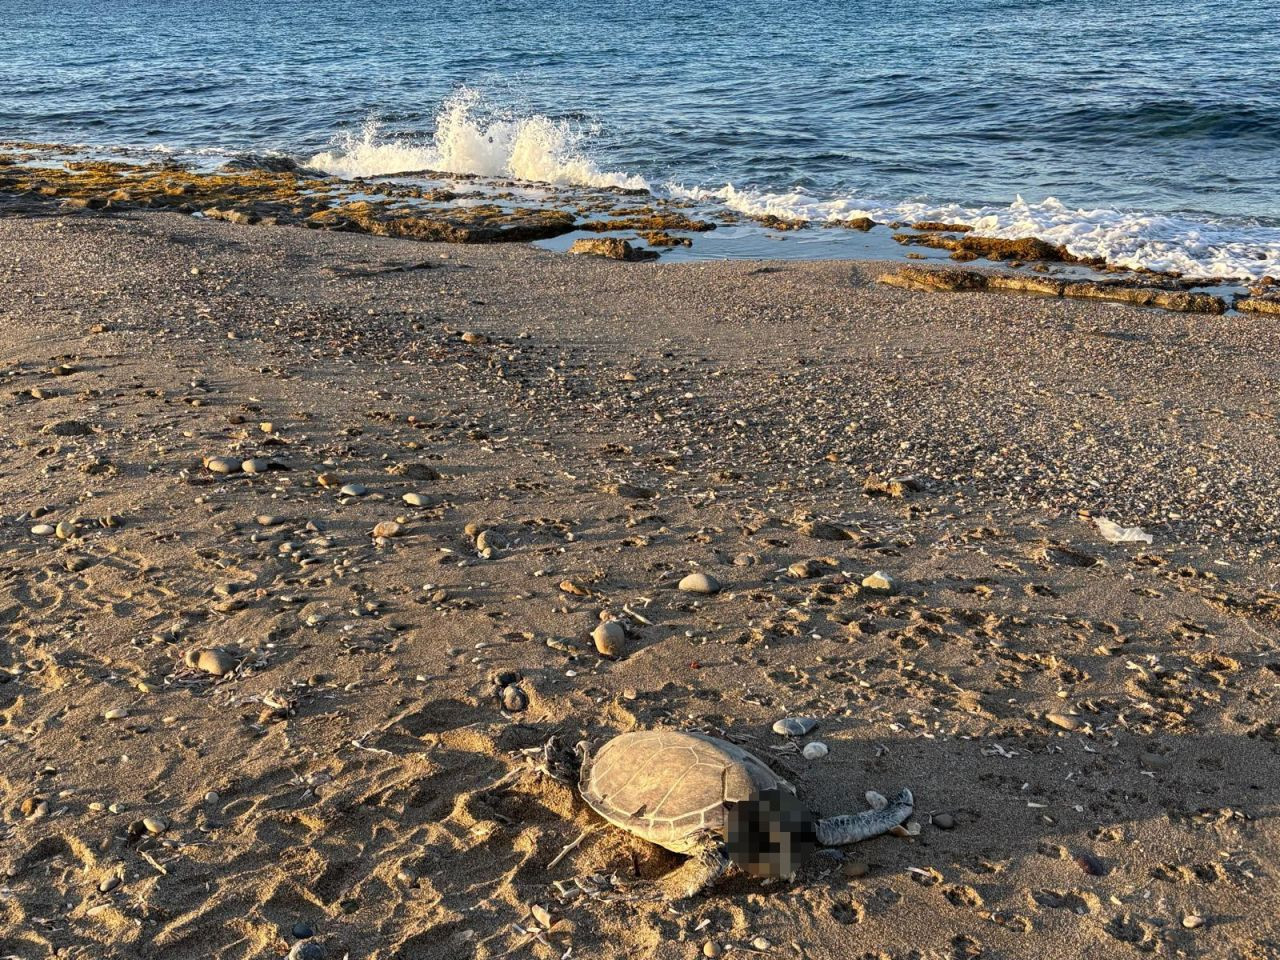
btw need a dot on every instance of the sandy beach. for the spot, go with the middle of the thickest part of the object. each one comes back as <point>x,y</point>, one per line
<point>236,722</point>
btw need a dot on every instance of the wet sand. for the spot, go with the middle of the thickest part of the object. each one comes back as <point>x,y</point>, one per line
<point>231,715</point>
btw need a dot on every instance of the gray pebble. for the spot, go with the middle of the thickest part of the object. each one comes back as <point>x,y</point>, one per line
<point>795,726</point>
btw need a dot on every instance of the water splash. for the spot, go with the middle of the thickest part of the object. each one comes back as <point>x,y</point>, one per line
<point>471,136</point>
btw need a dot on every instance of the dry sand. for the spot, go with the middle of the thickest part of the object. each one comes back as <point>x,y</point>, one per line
<point>342,774</point>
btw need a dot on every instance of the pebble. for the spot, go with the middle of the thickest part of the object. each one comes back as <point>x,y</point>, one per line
<point>116,713</point>
<point>1191,921</point>
<point>490,540</point>
<point>222,465</point>
<point>256,465</point>
<point>1066,721</point>
<point>712,949</point>
<point>303,930</point>
<point>415,499</point>
<point>65,530</point>
<point>795,726</point>
<point>109,884</point>
<point>514,699</point>
<point>43,530</point>
<point>269,520</point>
<point>944,821</point>
<point>217,662</point>
<point>760,943</point>
<point>610,638</point>
<point>815,750</point>
<point>880,582</point>
<point>700,583</point>
<point>306,950</point>
<point>387,529</point>
<point>354,490</point>
<point>155,824</point>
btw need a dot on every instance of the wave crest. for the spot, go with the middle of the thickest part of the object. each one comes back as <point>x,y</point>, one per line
<point>472,137</point>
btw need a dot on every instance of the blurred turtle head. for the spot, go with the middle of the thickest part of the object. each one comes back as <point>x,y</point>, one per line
<point>772,835</point>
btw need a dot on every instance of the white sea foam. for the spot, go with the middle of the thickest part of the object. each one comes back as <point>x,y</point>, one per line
<point>1164,242</point>
<point>471,137</point>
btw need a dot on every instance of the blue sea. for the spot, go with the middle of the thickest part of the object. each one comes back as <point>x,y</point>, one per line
<point>1143,131</point>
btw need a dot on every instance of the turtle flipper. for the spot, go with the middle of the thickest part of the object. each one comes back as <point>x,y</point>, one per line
<point>708,865</point>
<point>850,828</point>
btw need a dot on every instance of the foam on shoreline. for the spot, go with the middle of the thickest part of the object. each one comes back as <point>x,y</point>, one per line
<point>1164,243</point>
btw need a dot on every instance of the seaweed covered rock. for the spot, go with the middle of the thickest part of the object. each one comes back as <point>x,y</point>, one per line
<point>614,248</point>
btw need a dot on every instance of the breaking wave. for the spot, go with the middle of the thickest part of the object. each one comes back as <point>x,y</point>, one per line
<point>1218,248</point>
<point>473,137</point>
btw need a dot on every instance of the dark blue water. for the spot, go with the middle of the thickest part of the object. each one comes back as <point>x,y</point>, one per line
<point>1154,124</point>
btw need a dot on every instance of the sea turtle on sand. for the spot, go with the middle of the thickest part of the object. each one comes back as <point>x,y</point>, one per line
<point>711,799</point>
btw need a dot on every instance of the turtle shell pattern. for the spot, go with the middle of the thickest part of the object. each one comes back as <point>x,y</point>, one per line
<point>670,787</point>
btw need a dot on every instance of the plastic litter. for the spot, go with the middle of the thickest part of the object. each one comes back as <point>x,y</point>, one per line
<point>1115,533</point>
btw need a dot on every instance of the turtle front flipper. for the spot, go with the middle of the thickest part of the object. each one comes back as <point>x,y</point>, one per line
<point>850,828</point>
<point>707,865</point>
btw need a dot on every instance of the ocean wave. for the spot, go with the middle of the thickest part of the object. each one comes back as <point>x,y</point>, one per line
<point>473,137</point>
<point>1209,248</point>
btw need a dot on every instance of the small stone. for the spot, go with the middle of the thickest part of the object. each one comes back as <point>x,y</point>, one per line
<point>212,797</point>
<point>222,465</point>
<point>109,884</point>
<point>815,750</point>
<point>327,480</point>
<point>65,530</point>
<point>303,930</point>
<point>795,726</point>
<point>43,530</point>
<point>700,583</point>
<point>610,638</point>
<point>217,662</point>
<point>354,490</point>
<point>881,582</point>
<point>803,569</point>
<point>1066,721</point>
<point>944,821</point>
<point>270,520</point>
<point>415,499</point>
<point>514,699</point>
<point>760,943</point>
<point>387,529</point>
<point>256,465</point>
<point>712,949</point>
<point>306,950</point>
<point>155,825</point>
<point>116,713</point>
<point>1191,921</point>
<point>490,540</point>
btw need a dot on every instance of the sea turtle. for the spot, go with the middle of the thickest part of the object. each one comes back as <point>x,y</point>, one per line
<point>711,799</point>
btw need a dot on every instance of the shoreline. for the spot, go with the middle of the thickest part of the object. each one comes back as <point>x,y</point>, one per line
<point>435,207</point>
<point>231,714</point>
